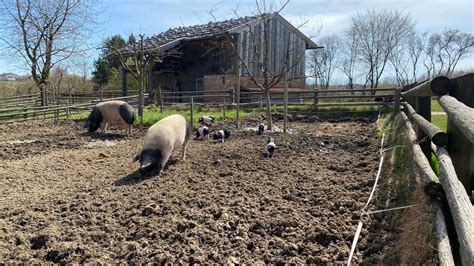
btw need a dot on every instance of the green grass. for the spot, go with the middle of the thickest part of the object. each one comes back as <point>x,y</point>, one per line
<point>440,121</point>
<point>435,107</point>
<point>152,115</point>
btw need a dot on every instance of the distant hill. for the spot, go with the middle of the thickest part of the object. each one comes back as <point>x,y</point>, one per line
<point>12,76</point>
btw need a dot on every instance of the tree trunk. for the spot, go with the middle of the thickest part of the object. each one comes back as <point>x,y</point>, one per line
<point>42,95</point>
<point>141,99</point>
<point>269,111</point>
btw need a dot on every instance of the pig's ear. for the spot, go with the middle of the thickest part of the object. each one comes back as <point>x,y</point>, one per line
<point>134,159</point>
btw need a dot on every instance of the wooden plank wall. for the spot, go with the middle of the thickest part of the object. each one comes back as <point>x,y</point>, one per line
<point>279,38</point>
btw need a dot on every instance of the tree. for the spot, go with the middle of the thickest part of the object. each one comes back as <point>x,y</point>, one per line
<point>101,74</point>
<point>268,75</point>
<point>401,63</point>
<point>44,33</point>
<point>378,32</point>
<point>416,43</point>
<point>349,56</point>
<point>109,44</point>
<point>137,62</point>
<point>324,61</point>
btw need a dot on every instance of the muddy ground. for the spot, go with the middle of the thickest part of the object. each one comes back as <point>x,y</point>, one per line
<point>69,196</point>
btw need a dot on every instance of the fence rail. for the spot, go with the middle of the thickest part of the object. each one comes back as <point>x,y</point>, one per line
<point>457,160</point>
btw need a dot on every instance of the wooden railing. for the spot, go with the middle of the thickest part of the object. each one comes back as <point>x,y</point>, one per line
<point>454,151</point>
<point>17,114</point>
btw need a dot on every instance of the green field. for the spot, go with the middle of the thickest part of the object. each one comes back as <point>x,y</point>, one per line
<point>435,107</point>
<point>152,115</point>
<point>441,121</point>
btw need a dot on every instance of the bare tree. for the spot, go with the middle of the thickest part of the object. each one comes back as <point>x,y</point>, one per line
<point>400,61</point>
<point>378,33</point>
<point>444,50</point>
<point>429,60</point>
<point>324,61</point>
<point>56,80</point>
<point>137,61</point>
<point>45,33</point>
<point>416,43</point>
<point>256,57</point>
<point>453,46</point>
<point>349,56</point>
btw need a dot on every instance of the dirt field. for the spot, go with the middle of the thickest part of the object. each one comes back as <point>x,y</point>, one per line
<point>68,196</point>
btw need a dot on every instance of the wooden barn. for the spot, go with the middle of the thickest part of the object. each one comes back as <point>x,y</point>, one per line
<point>208,60</point>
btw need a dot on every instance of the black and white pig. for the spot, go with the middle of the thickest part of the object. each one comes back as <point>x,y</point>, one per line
<point>165,136</point>
<point>202,132</point>
<point>111,113</point>
<point>270,147</point>
<point>206,120</point>
<point>261,129</point>
<point>221,135</point>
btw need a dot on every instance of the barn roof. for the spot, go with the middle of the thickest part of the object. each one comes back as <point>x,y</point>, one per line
<point>175,36</point>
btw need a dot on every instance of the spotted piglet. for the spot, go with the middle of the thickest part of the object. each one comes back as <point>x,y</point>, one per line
<point>202,132</point>
<point>221,135</point>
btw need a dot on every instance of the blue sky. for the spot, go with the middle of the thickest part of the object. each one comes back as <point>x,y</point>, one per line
<point>154,16</point>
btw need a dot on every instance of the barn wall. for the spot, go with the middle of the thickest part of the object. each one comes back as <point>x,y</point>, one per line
<point>229,82</point>
<point>279,37</point>
<point>202,58</point>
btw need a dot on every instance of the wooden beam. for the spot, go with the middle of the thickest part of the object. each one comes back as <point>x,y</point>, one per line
<point>439,137</point>
<point>460,206</point>
<point>124,81</point>
<point>460,114</point>
<point>427,176</point>
<point>433,87</point>
<point>397,100</point>
<point>351,104</point>
<point>444,247</point>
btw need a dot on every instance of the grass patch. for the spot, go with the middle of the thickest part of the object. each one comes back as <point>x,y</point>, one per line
<point>152,114</point>
<point>440,121</point>
<point>435,107</point>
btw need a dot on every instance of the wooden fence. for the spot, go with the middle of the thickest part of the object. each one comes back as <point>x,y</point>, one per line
<point>454,150</point>
<point>27,107</point>
<point>29,112</point>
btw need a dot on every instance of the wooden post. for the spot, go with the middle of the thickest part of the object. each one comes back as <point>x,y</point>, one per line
<point>460,148</point>
<point>285,103</point>
<point>460,206</point>
<point>192,110</point>
<point>437,136</point>
<point>151,79</point>
<point>239,67</point>
<point>223,108</point>
<point>160,95</point>
<point>423,108</point>
<point>316,99</point>
<point>124,81</point>
<point>435,87</point>
<point>397,100</point>
<point>427,176</point>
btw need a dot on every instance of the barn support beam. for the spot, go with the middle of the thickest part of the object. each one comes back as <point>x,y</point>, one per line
<point>124,81</point>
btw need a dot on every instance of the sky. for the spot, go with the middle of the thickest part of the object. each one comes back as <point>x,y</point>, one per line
<point>151,17</point>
